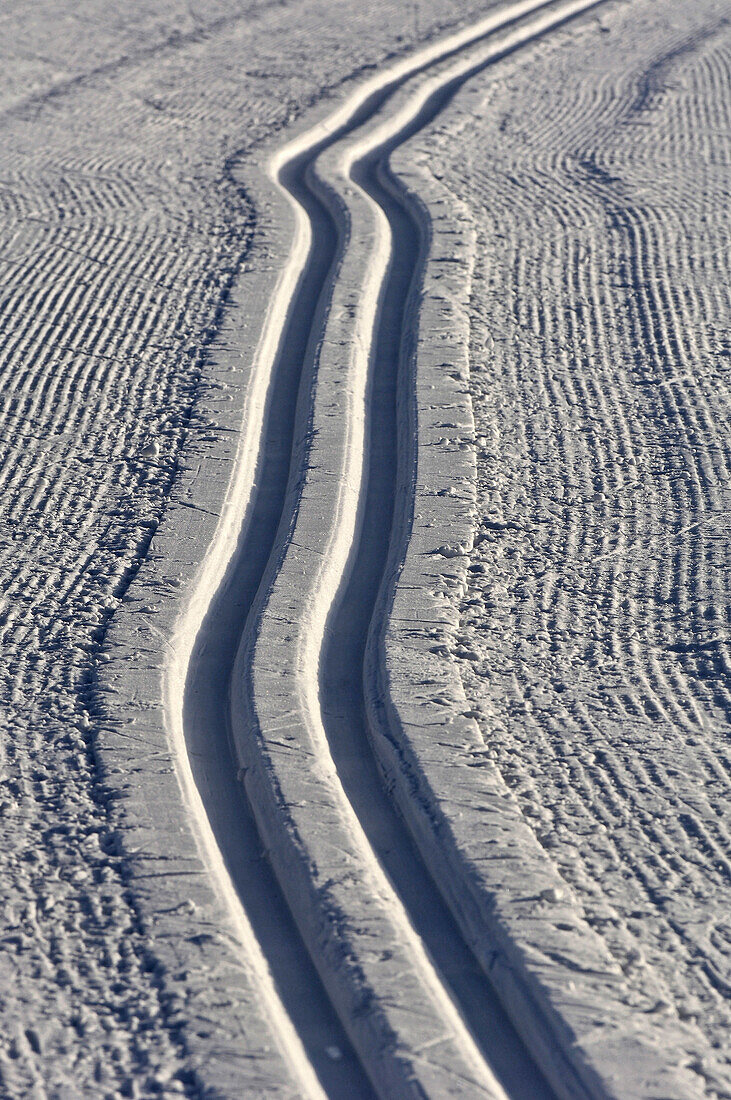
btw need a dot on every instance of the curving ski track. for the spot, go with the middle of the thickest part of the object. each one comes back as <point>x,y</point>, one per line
<point>349,939</point>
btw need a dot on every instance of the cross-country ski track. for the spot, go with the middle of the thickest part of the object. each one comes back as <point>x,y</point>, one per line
<point>364,922</point>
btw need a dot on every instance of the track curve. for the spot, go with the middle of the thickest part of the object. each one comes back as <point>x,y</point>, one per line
<point>281,617</point>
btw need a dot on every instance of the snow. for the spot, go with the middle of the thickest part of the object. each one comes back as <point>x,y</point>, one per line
<point>598,576</point>
<point>404,766</point>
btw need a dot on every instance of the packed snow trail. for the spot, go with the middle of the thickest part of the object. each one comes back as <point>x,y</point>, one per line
<point>326,857</point>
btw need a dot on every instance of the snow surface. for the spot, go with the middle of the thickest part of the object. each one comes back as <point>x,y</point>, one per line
<point>593,638</point>
<point>542,880</point>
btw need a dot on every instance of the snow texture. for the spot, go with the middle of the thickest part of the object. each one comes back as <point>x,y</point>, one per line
<point>593,631</point>
<point>123,230</point>
<point>365,549</point>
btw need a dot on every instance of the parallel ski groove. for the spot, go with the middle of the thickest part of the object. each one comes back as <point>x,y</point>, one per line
<point>257,791</point>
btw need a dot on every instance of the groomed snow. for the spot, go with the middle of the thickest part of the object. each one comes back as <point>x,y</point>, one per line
<point>365,550</point>
<point>592,638</point>
<point>123,228</point>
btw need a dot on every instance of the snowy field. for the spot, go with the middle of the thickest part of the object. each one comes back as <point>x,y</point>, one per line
<point>365,559</point>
